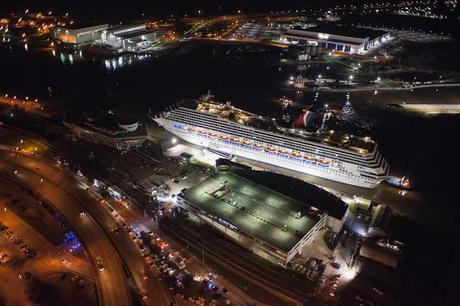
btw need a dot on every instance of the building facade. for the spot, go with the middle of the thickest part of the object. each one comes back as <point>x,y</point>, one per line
<point>79,36</point>
<point>337,38</point>
<point>129,38</point>
<point>123,137</point>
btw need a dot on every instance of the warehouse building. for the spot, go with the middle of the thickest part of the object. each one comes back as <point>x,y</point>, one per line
<point>352,40</point>
<point>79,35</point>
<point>120,133</point>
<point>132,38</point>
<point>261,219</point>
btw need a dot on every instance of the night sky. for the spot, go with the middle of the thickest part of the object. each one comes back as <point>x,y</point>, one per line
<point>130,8</point>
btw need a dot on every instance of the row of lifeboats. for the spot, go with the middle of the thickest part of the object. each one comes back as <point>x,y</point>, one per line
<point>257,146</point>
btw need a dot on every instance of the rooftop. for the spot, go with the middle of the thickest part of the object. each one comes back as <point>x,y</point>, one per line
<point>80,26</point>
<point>299,190</point>
<point>254,209</point>
<point>109,125</point>
<point>135,33</point>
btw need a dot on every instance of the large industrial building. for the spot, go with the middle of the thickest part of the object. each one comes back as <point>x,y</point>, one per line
<point>352,40</point>
<point>242,204</point>
<point>79,35</point>
<point>120,133</point>
<point>117,39</point>
<point>128,38</point>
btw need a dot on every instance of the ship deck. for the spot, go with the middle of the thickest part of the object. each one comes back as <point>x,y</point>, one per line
<point>356,144</point>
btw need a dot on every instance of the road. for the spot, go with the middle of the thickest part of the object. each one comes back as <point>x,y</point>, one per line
<point>28,105</point>
<point>65,193</point>
<point>128,251</point>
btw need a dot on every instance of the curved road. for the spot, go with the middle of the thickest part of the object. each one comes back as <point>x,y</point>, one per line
<point>154,288</point>
<point>66,194</point>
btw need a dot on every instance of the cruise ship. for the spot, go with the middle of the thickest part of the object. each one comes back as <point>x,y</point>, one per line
<point>328,154</point>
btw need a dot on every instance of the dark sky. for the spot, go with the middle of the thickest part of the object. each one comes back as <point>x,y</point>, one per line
<point>131,8</point>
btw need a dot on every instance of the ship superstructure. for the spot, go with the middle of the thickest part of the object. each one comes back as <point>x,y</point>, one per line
<point>349,159</point>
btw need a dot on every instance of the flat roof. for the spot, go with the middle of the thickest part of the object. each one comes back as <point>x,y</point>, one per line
<point>82,26</point>
<point>134,33</point>
<point>299,190</point>
<point>108,125</point>
<point>254,209</point>
<point>348,31</point>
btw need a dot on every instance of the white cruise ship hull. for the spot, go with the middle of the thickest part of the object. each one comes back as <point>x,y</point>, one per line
<point>288,161</point>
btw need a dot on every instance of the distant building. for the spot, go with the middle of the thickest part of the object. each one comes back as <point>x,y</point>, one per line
<point>132,38</point>
<point>259,218</point>
<point>79,35</point>
<point>331,37</point>
<point>121,134</point>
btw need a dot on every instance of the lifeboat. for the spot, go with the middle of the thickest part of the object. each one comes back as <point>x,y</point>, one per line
<point>212,135</point>
<point>190,129</point>
<point>201,132</point>
<point>296,154</point>
<point>283,152</point>
<point>246,142</point>
<point>309,158</point>
<point>257,146</point>
<point>223,137</point>
<point>324,162</point>
<point>270,149</point>
<point>235,139</point>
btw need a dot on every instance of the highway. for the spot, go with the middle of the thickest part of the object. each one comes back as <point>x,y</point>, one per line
<point>123,243</point>
<point>66,194</point>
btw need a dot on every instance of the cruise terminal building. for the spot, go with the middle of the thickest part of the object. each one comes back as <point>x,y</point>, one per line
<point>352,40</point>
<point>243,205</point>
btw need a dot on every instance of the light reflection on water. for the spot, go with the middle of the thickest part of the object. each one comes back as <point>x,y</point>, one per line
<point>122,61</point>
<point>69,58</point>
<point>110,64</point>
